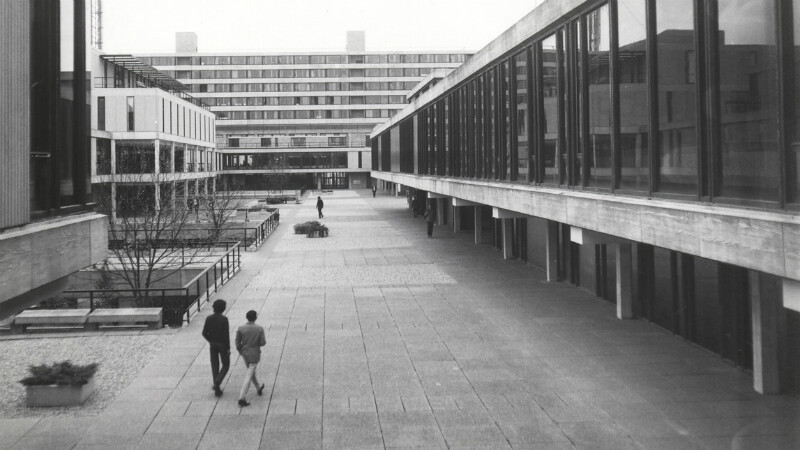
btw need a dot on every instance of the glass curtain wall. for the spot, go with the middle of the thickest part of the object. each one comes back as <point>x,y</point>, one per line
<point>520,64</point>
<point>598,143</point>
<point>551,106</point>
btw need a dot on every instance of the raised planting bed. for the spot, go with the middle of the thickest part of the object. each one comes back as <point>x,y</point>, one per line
<point>59,384</point>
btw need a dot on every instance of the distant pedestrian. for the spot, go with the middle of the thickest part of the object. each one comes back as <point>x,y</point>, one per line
<point>374,190</point>
<point>320,204</point>
<point>249,340</point>
<point>196,206</point>
<point>429,220</point>
<point>217,334</point>
<point>190,204</point>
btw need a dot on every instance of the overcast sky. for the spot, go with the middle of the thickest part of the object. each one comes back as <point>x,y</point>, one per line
<point>149,26</point>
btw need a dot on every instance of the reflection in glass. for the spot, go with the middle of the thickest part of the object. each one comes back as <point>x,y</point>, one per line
<point>491,122</point>
<point>748,100</point>
<point>521,93</point>
<point>633,99</point>
<point>599,142</point>
<point>478,105</point>
<point>677,96</point>
<point>550,95</point>
<point>504,153</point>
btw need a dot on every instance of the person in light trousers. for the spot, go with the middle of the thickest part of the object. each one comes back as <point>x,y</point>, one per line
<point>249,340</point>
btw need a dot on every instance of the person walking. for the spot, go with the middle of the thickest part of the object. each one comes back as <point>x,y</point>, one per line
<point>249,340</point>
<point>374,190</point>
<point>215,331</point>
<point>320,204</point>
<point>429,220</point>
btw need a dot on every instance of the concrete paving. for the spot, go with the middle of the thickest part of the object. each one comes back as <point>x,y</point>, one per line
<point>378,337</point>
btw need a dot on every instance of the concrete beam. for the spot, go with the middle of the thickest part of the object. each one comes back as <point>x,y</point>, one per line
<point>499,213</point>
<point>791,294</point>
<point>461,202</point>
<point>435,195</point>
<point>709,231</point>
<point>582,236</point>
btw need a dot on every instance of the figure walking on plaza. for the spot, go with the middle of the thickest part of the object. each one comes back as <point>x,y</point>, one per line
<point>429,220</point>
<point>374,190</point>
<point>249,340</point>
<point>320,204</point>
<point>216,333</point>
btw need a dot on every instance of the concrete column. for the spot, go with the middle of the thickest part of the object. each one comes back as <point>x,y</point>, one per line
<point>456,219</point>
<point>477,215</point>
<point>172,158</point>
<point>157,196</point>
<point>766,307</point>
<point>113,156</point>
<point>624,281</point>
<point>508,241</point>
<point>440,211</point>
<point>113,198</point>
<point>552,251</point>
<point>319,182</point>
<point>157,156</point>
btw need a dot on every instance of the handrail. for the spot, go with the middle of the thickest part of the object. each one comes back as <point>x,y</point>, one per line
<point>229,263</point>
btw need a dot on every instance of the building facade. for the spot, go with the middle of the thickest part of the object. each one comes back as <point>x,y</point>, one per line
<point>293,120</point>
<point>47,229</point>
<point>644,150</point>
<point>152,143</point>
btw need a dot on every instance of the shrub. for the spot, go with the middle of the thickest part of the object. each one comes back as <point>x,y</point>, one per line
<point>305,227</point>
<point>63,374</point>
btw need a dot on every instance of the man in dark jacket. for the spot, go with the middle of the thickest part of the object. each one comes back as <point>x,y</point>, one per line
<point>216,333</point>
<point>320,204</point>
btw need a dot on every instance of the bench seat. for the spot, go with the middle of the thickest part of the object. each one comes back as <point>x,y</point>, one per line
<point>51,317</point>
<point>153,316</point>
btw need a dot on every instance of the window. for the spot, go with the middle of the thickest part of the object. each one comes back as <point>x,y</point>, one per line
<point>131,115</point>
<point>101,113</point>
<point>298,141</point>
<point>598,145</point>
<point>233,142</point>
<point>266,142</point>
<point>633,99</point>
<point>337,141</point>
<point>551,106</point>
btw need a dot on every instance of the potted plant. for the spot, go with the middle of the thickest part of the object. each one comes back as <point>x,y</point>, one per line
<point>59,384</point>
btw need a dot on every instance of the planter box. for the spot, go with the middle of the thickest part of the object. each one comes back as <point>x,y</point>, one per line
<point>54,395</point>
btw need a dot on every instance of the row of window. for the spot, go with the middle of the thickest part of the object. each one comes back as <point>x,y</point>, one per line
<point>307,114</point>
<point>305,87</point>
<point>324,100</point>
<point>290,141</point>
<point>297,73</point>
<point>279,161</point>
<point>300,59</point>
<point>633,99</point>
<point>138,157</point>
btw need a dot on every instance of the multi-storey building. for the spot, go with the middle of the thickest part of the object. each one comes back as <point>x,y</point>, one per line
<point>644,150</point>
<point>153,144</point>
<point>299,119</point>
<point>47,229</point>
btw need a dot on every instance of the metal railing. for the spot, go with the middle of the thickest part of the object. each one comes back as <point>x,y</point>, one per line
<point>253,237</point>
<point>177,303</point>
<point>289,145</point>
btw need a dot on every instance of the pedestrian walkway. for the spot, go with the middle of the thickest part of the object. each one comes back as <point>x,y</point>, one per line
<point>378,337</point>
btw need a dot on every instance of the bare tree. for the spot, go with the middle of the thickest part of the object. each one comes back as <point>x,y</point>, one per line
<point>221,207</point>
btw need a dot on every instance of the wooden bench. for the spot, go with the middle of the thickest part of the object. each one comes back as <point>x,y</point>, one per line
<point>50,317</point>
<point>131,316</point>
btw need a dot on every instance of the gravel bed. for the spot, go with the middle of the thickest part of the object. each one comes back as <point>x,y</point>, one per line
<point>121,359</point>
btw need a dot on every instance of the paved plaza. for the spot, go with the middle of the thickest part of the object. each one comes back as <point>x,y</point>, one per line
<point>378,337</point>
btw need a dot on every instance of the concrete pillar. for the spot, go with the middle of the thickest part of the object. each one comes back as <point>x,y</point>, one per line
<point>113,156</point>
<point>456,219</point>
<point>157,156</point>
<point>624,281</point>
<point>508,241</point>
<point>319,182</point>
<point>440,211</point>
<point>766,307</point>
<point>113,199</point>
<point>478,217</point>
<point>172,158</point>
<point>552,251</point>
<point>157,196</point>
